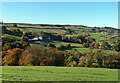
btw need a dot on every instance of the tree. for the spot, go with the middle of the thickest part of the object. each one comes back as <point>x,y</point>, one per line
<point>82,61</point>
<point>6,39</point>
<point>80,41</point>
<point>67,45</point>
<point>116,46</point>
<point>6,46</point>
<point>73,64</point>
<point>15,25</point>
<point>92,44</point>
<point>40,56</point>
<point>86,44</point>
<point>61,47</point>
<point>51,45</point>
<point>98,58</point>
<point>16,44</point>
<point>12,57</point>
<point>24,44</point>
<point>105,45</point>
<point>32,56</point>
<point>4,30</point>
<point>96,45</point>
<point>24,38</point>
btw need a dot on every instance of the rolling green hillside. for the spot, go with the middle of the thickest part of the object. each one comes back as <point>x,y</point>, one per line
<point>68,30</point>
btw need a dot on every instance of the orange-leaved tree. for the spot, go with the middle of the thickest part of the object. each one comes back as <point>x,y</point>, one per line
<point>12,57</point>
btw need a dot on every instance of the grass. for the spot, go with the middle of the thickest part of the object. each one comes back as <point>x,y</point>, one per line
<point>13,36</point>
<point>36,29</point>
<point>52,73</point>
<point>97,36</point>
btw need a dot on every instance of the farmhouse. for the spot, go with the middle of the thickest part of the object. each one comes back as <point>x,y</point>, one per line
<point>36,38</point>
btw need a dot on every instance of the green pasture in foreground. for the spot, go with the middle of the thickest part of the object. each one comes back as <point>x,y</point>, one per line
<point>52,73</point>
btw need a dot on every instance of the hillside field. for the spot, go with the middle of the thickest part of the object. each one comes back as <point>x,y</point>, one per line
<point>59,30</point>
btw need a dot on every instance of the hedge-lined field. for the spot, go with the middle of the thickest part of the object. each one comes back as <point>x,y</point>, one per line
<point>52,73</point>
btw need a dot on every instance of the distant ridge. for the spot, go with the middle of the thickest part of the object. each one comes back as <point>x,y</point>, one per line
<point>58,25</point>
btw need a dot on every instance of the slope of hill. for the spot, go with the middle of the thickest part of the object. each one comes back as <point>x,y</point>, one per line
<point>100,34</point>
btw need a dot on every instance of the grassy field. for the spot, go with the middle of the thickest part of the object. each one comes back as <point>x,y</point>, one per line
<point>97,36</point>
<point>13,36</point>
<point>52,73</point>
<point>36,29</point>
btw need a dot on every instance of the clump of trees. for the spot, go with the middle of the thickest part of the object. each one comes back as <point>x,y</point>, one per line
<point>51,45</point>
<point>40,56</point>
<point>4,30</point>
<point>15,25</point>
<point>16,32</point>
<point>61,47</point>
<point>10,43</point>
<point>116,46</point>
<point>29,35</point>
<point>105,45</point>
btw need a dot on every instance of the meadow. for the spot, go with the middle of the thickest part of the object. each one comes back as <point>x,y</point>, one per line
<point>52,73</point>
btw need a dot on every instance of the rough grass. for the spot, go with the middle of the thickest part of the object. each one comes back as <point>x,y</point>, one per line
<point>51,73</point>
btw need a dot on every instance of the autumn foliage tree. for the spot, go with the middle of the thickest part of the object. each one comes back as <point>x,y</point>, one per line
<point>12,57</point>
<point>40,56</point>
<point>96,45</point>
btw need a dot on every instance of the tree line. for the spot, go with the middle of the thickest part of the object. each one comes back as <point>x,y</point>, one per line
<point>38,55</point>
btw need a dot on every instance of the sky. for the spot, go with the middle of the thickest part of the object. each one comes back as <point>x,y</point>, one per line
<point>74,13</point>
